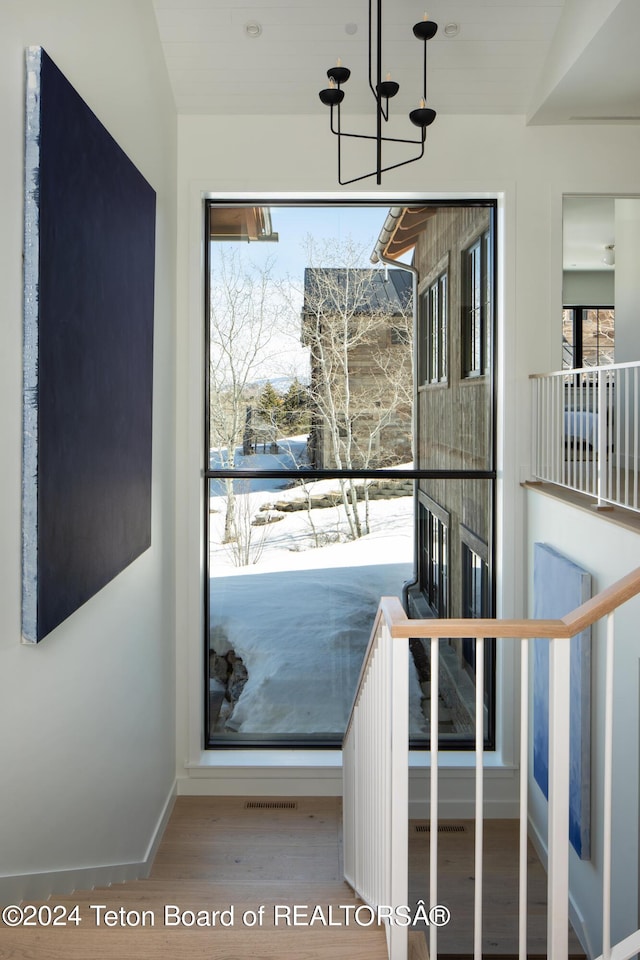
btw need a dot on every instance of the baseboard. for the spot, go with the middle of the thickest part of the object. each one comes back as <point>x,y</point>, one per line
<point>34,887</point>
<point>576,918</point>
<point>231,782</point>
<point>269,773</point>
<point>456,793</point>
<point>464,810</point>
<point>307,774</point>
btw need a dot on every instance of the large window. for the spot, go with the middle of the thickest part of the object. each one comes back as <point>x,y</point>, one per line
<point>313,452</point>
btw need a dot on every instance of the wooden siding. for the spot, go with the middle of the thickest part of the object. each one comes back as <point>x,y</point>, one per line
<point>454,417</point>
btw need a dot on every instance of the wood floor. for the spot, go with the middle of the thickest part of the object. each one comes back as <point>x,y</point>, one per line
<point>241,868</point>
<point>217,855</point>
<point>456,887</point>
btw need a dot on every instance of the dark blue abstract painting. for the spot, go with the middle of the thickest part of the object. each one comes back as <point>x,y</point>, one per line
<point>559,587</point>
<point>88,353</point>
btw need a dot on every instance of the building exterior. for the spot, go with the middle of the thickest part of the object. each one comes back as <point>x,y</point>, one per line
<point>361,398</point>
<point>454,257</point>
<point>454,402</point>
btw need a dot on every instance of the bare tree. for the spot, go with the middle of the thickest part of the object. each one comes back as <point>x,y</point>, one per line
<point>357,324</point>
<point>243,325</point>
<point>249,538</point>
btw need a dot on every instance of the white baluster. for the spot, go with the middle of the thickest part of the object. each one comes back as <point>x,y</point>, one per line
<point>479,804</point>
<point>607,798</point>
<point>524,798</point>
<point>433,801</point>
<point>558,829</point>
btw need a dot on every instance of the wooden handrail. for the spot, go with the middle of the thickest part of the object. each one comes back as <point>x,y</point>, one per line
<point>384,744</point>
<point>573,623</point>
<point>402,627</point>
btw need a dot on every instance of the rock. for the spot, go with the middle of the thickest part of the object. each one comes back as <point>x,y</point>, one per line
<point>237,678</point>
<point>219,668</point>
<point>262,519</point>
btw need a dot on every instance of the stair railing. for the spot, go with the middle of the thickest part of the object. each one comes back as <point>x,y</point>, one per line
<point>375,768</point>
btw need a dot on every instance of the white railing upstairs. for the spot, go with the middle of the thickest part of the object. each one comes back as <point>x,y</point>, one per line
<point>375,767</point>
<point>586,431</point>
<point>375,764</point>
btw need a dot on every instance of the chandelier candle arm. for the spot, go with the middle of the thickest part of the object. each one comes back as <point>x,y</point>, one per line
<point>425,30</point>
<point>383,91</point>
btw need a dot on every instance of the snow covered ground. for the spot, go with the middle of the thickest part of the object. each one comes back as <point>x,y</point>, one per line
<point>300,617</point>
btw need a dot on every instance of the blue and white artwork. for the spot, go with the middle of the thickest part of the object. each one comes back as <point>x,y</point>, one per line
<point>560,586</point>
<point>89,262</point>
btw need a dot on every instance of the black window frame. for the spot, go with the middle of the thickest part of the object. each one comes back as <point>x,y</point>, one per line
<point>575,350</point>
<point>472,546</point>
<point>416,475</point>
<point>436,551</point>
<point>433,324</point>
<point>477,305</point>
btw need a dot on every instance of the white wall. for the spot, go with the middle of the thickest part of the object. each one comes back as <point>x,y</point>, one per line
<point>627,234</point>
<point>529,169</point>
<point>87,733</point>
<point>608,552</point>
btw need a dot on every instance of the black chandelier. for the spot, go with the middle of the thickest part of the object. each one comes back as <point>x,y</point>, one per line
<point>383,91</point>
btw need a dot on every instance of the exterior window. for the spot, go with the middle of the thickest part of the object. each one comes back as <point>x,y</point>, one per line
<point>434,325</point>
<point>400,336</point>
<point>475,594</point>
<point>477,307</point>
<point>588,337</point>
<point>435,557</point>
<point>475,584</point>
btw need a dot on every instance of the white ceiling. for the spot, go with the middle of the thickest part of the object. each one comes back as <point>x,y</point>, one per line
<point>553,61</point>
<point>497,63</point>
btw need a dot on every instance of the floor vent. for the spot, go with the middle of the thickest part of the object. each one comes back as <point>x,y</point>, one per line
<point>442,828</point>
<point>271,805</point>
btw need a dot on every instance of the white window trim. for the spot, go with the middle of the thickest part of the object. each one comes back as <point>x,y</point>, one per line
<point>265,767</point>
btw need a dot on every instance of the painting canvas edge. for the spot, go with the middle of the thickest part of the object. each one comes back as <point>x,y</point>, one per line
<point>30,349</point>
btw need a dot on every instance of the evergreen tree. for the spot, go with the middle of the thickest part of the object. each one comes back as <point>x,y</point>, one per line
<point>296,405</point>
<point>270,403</point>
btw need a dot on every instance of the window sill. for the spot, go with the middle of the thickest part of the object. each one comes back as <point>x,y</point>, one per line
<point>210,761</point>
<point>267,758</point>
<point>433,385</point>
